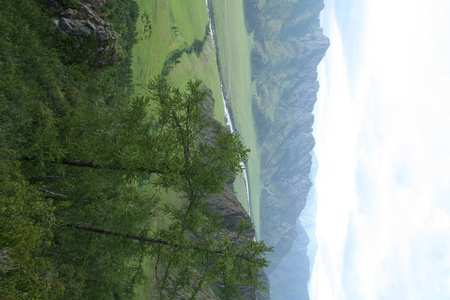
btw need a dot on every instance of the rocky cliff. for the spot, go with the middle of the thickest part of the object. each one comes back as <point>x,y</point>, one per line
<point>84,20</point>
<point>289,46</point>
<point>227,206</point>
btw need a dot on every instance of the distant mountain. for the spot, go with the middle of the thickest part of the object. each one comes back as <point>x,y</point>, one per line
<point>291,277</point>
<point>307,217</point>
<point>289,44</point>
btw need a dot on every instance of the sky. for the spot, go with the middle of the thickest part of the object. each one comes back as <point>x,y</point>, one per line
<point>382,132</point>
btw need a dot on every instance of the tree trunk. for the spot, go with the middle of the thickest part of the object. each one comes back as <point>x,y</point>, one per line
<point>94,165</point>
<point>120,234</point>
<point>150,240</point>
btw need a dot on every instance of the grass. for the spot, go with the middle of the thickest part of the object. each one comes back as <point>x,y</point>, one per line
<point>175,26</point>
<point>146,290</point>
<point>234,51</point>
<point>201,67</point>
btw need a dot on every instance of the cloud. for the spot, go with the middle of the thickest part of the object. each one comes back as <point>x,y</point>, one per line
<point>350,15</point>
<point>383,145</point>
<point>328,264</point>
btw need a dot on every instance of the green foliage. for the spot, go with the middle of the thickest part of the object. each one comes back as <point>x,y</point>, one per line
<point>182,122</point>
<point>201,155</point>
<point>25,231</point>
<point>55,108</point>
<point>54,105</point>
<point>123,14</point>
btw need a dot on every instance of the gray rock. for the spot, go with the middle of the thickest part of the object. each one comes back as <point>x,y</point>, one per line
<point>90,15</point>
<point>87,12</point>
<point>114,58</point>
<point>69,13</point>
<point>102,35</point>
<point>83,22</point>
<point>91,25</point>
<point>55,21</point>
<point>65,25</point>
<point>74,27</point>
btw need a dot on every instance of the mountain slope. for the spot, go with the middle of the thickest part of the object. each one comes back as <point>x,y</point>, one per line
<point>289,45</point>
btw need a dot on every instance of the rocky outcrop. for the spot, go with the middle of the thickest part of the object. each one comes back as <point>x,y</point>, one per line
<point>289,46</point>
<point>83,19</point>
<point>227,206</point>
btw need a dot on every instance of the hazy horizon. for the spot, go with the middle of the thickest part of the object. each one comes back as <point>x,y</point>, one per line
<point>382,142</point>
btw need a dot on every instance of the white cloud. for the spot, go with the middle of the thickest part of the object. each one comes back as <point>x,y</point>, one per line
<point>343,117</point>
<point>391,128</point>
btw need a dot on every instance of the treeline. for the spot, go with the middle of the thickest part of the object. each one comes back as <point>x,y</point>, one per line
<point>123,14</point>
<point>52,98</point>
<point>73,145</point>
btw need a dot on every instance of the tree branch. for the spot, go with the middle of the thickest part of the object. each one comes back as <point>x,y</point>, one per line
<point>94,165</point>
<point>149,240</point>
<point>53,193</point>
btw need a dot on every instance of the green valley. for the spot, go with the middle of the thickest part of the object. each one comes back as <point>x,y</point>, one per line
<point>171,41</point>
<point>116,182</point>
<point>118,176</point>
<point>235,45</point>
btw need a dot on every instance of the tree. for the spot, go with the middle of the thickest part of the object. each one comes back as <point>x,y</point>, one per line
<point>25,229</point>
<point>97,154</point>
<point>196,157</point>
<point>204,165</point>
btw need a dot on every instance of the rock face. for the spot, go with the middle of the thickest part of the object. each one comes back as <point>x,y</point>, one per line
<point>227,205</point>
<point>289,46</point>
<point>84,20</point>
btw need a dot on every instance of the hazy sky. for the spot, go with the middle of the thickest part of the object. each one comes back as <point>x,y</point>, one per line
<point>383,145</point>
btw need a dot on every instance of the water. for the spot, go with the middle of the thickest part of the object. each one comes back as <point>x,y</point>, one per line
<point>227,114</point>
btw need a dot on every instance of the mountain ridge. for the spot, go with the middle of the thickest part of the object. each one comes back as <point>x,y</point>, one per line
<point>289,44</point>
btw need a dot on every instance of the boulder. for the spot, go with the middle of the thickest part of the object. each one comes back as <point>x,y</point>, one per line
<point>85,21</point>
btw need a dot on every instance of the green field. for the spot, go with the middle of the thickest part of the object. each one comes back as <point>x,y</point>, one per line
<point>166,32</point>
<point>85,166</point>
<point>175,26</point>
<point>166,28</point>
<point>234,53</point>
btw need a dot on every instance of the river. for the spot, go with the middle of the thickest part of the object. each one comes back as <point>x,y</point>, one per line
<point>228,120</point>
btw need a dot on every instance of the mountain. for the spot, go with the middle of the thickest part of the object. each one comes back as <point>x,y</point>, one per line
<point>290,279</point>
<point>289,44</point>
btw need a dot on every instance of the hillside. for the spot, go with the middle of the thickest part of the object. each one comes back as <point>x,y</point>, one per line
<point>107,193</point>
<point>289,44</point>
<point>94,159</point>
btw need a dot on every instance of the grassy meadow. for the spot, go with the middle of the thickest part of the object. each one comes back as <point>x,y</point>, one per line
<point>234,52</point>
<point>167,29</point>
<point>85,172</point>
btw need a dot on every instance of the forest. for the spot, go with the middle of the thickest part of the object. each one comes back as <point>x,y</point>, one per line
<point>95,181</point>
